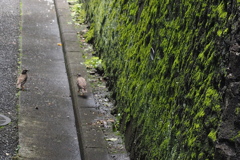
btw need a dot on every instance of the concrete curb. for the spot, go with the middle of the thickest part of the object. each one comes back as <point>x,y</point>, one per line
<point>91,138</point>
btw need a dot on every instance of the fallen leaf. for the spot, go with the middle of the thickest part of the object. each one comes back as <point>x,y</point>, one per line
<point>111,120</point>
<point>59,44</point>
<point>111,139</point>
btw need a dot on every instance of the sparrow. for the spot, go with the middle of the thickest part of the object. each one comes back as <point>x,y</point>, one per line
<point>22,79</point>
<point>82,84</point>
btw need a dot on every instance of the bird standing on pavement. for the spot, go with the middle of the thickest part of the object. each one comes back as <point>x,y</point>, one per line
<point>22,79</point>
<point>82,84</point>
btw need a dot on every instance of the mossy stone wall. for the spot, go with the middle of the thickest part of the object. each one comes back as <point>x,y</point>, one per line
<point>166,62</point>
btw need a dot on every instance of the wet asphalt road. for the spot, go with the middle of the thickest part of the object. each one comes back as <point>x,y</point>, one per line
<point>9,46</point>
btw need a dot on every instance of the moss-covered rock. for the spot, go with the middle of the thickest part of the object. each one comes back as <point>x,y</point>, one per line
<point>166,64</point>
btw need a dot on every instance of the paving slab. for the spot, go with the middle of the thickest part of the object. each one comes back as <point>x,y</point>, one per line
<point>47,128</point>
<point>54,120</point>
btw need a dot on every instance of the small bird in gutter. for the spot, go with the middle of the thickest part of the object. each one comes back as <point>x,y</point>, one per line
<point>22,79</point>
<point>82,84</point>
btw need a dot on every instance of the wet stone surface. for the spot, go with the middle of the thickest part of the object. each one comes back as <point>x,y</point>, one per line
<point>106,121</point>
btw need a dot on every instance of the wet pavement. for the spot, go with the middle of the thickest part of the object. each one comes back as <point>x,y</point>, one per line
<point>54,120</point>
<point>46,118</point>
<point>9,36</point>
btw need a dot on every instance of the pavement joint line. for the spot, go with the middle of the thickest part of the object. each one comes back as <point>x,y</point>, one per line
<point>76,100</point>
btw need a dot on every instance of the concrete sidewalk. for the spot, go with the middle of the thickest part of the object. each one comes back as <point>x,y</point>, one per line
<point>46,118</point>
<point>53,119</point>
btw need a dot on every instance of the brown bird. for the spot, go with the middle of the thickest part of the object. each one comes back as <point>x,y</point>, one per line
<point>22,79</point>
<point>82,84</point>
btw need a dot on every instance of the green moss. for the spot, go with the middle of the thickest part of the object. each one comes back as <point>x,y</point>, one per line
<point>89,36</point>
<point>93,62</point>
<point>78,13</point>
<point>237,136</point>
<point>164,64</point>
<point>237,110</point>
<point>212,135</point>
<point>221,11</point>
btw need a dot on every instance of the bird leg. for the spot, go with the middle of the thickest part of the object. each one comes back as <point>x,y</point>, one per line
<point>81,92</point>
